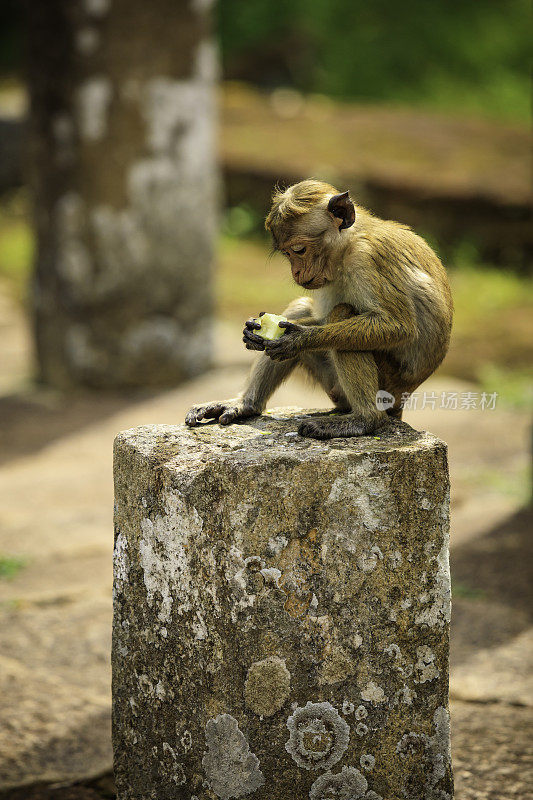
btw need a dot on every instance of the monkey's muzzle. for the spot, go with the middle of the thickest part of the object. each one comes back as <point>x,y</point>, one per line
<point>312,283</point>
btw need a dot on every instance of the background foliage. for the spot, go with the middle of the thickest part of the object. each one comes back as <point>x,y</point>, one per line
<point>462,55</point>
<point>465,55</point>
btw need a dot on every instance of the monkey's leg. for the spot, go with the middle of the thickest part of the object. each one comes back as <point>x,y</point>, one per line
<point>265,378</point>
<point>358,377</point>
<point>319,365</point>
<point>395,413</point>
<point>394,380</point>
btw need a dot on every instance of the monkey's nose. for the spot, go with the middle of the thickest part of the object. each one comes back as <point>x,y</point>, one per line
<point>296,275</point>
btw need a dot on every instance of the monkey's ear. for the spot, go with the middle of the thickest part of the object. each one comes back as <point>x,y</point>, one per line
<point>342,207</point>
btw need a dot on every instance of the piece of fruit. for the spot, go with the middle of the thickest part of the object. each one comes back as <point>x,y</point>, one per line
<point>269,326</point>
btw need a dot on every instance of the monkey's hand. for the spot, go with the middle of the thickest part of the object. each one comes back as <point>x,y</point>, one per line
<point>226,412</point>
<point>251,340</point>
<point>289,345</point>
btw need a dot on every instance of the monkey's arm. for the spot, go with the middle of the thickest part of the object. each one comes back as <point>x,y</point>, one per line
<point>306,322</point>
<point>382,329</point>
<point>372,330</point>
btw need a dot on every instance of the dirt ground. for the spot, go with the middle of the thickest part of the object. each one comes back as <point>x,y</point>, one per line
<point>56,519</point>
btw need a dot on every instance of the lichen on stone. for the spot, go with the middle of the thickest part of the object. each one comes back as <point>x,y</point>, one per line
<point>337,666</point>
<point>145,685</point>
<point>250,576</point>
<point>319,736</point>
<point>121,563</point>
<point>369,560</point>
<point>412,743</point>
<point>395,559</point>
<point>394,651</point>
<point>440,743</point>
<point>404,695</point>
<point>164,553</point>
<point>276,544</point>
<point>348,784</point>
<point>367,761</point>
<point>267,686</point>
<point>271,575</point>
<point>186,741</point>
<point>347,708</point>
<point>247,577</point>
<point>177,773</point>
<point>232,770</point>
<point>425,667</point>
<point>160,691</point>
<point>437,613</point>
<point>431,752</point>
<point>356,488</point>
<point>373,693</point>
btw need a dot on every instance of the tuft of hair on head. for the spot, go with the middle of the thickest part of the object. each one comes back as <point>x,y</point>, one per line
<point>296,200</point>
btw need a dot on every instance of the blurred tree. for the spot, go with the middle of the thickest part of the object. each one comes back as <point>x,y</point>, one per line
<point>122,119</point>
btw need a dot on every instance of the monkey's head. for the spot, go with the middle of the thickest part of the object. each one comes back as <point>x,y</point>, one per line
<point>308,222</point>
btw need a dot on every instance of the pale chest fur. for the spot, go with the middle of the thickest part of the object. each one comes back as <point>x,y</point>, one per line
<point>356,293</point>
<point>326,299</point>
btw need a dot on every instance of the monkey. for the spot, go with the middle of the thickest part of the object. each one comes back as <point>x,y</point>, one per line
<point>380,316</point>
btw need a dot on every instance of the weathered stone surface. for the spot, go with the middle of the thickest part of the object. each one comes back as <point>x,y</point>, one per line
<point>286,597</point>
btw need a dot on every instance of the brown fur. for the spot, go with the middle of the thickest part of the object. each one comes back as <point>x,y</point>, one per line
<point>380,318</point>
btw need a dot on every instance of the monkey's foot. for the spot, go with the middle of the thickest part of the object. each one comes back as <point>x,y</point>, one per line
<point>348,425</point>
<point>225,412</point>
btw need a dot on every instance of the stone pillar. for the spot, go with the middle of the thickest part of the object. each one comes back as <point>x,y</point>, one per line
<point>124,181</point>
<point>281,614</point>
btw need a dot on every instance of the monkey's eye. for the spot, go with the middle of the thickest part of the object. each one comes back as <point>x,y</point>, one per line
<point>299,250</point>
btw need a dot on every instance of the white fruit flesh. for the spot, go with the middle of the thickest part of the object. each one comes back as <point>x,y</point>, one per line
<point>269,326</point>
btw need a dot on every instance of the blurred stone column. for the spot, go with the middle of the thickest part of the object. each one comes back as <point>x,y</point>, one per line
<point>281,614</point>
<point>122,124</point>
